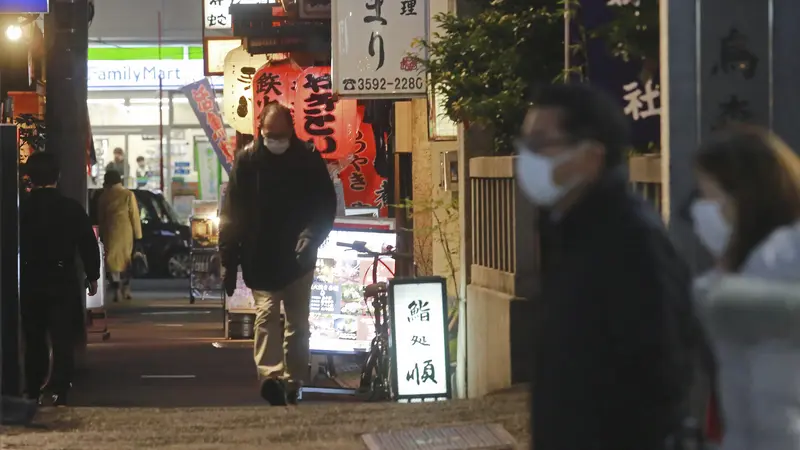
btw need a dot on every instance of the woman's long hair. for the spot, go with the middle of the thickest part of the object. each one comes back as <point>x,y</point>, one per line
<point>762,175</point>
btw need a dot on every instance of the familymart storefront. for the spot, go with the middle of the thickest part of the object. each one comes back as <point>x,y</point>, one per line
<point>124,112</point>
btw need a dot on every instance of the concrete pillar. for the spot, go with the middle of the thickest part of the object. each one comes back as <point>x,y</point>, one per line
<point>721,60</point>
<point>67,31</point>
<point>472,142</point>
<point>680,127</point>
<point>67,40</point>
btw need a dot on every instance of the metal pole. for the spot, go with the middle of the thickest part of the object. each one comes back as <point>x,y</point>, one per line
<point>168,137</point>
<point>567,41</point>
<point>160,112</point>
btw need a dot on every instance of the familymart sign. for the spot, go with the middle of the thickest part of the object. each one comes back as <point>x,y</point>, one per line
<point>143,74</point>
<point>130,68</point>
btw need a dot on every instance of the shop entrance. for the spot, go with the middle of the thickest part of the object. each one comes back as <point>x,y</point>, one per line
<point>142,142</point>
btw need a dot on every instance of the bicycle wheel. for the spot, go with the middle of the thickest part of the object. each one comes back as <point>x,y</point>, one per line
<point>374,382</point>
<point>384,370</point>
<point>368,371</point>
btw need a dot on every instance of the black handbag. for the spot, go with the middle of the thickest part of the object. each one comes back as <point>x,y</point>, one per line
<point>139,265</point>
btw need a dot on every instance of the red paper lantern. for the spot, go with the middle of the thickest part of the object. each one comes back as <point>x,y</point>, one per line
<point>363,187</point>
<point>273,83</point>
<point>329,123</point>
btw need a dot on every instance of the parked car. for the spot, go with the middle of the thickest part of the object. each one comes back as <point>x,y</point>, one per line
<point>165,238</point>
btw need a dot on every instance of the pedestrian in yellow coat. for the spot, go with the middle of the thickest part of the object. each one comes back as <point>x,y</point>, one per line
<point>120,226</point>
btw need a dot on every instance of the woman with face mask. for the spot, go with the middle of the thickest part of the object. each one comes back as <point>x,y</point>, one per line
<point>748,217</point>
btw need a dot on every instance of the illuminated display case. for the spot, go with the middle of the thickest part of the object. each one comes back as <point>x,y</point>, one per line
<point>339,317</point>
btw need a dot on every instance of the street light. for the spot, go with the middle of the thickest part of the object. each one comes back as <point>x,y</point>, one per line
<point>14,32</point>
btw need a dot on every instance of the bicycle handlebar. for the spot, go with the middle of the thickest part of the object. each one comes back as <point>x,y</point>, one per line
<point>361,248</point>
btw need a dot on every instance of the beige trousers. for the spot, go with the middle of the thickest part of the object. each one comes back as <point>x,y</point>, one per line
<point>290,362</point>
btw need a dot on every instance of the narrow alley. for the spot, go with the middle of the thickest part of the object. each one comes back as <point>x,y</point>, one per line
<point>167,379</point>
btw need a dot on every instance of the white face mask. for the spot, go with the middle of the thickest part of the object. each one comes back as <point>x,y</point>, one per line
<point>277,146</point>
<point>535,177</point>
<point>710,226</point>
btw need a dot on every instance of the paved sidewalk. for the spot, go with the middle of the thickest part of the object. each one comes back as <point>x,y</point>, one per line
<point>329,426</point>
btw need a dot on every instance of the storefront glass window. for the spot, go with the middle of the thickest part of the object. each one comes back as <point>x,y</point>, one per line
<point>182,112</point>
<point>119,112</point>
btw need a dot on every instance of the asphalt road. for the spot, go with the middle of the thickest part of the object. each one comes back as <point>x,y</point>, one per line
<point>164,352</point>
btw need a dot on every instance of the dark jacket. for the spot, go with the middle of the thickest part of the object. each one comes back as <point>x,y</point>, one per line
<point>612,368</point>
<point>271,202</point>
<point>52,229</point>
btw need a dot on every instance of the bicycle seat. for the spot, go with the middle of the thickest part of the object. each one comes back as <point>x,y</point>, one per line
<point>375,289</point>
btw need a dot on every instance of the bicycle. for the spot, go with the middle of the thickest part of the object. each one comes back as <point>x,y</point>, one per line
<point>375,383</point>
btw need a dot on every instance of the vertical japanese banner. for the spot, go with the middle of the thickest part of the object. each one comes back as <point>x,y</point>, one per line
<point>274,83</point>
<point>201,97</point>
<point>330,124</point>
<point>363,187</point>
<point>640,96</point>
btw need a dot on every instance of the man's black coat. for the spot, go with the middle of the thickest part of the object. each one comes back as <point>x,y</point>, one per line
<point>612,364</point>
<point>271,202</point>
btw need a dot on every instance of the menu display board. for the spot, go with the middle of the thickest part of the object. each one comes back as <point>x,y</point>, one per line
<point>340,319</point>
<point>205,233</point>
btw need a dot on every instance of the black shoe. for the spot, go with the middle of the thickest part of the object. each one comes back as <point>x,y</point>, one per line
<point>59,400</point>
<point>272,391</point>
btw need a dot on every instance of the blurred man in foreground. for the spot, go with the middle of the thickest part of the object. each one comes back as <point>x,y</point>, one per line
<point>279,208</point>
<point>53,228</point>
<point>614,350</point>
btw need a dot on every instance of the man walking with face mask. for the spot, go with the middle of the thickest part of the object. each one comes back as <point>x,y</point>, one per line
<point>616,337</point>
<point>279,208</point>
